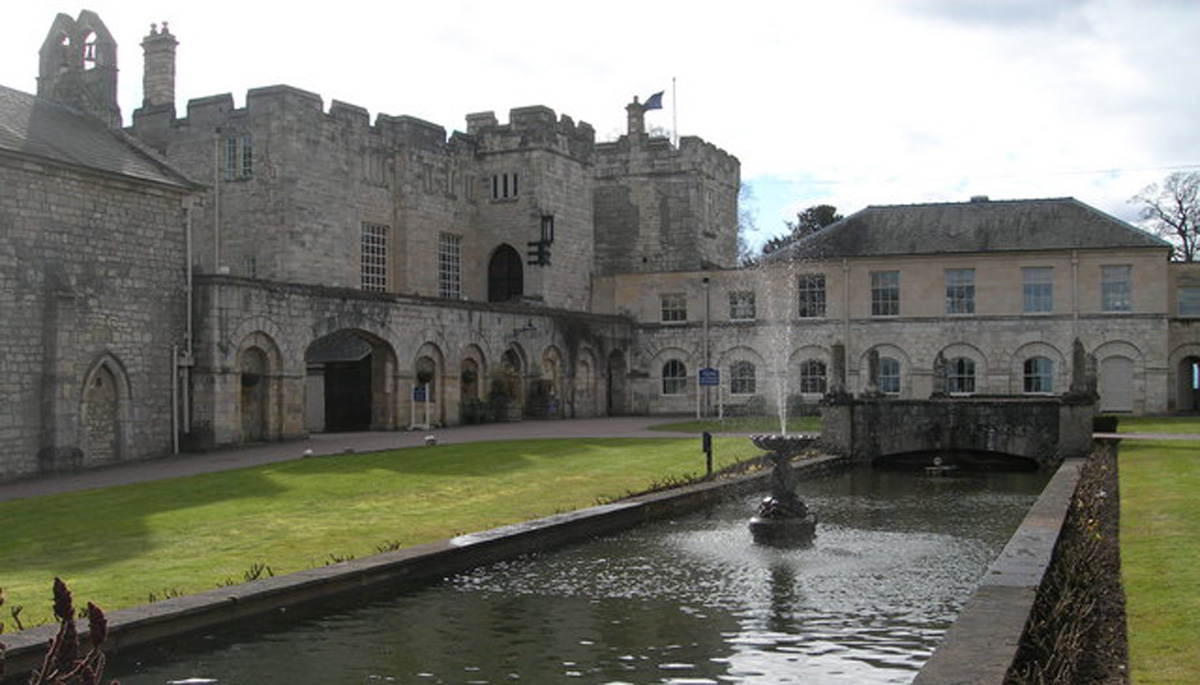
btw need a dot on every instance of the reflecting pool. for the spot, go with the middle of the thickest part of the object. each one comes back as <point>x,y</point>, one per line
<point>692,600</point>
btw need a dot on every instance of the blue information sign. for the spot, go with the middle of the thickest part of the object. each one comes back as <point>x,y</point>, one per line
<point>709,377</point>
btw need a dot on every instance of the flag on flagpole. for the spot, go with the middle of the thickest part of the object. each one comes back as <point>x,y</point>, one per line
<point>654,101</point>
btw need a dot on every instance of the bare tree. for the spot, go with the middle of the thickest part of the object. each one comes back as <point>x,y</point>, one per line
<point>1172,209</point>
<point>746,219</point>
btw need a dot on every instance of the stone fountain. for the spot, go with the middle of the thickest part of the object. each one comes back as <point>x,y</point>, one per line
<point>783,518</point>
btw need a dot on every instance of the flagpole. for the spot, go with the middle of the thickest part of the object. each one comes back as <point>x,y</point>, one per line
<point>674,113</point>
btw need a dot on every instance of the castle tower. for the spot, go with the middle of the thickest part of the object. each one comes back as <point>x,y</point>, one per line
<point>158,76</point>
<point>636,114</point>
<point>78,66</point>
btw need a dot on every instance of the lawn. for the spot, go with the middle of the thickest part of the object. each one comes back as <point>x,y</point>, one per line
<point>1160,550</point>
<point>118,546</point>
<point>748,424</point>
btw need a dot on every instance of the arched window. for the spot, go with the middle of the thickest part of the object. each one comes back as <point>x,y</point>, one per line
<point>506,276</point>
<point>812,376</point>
<point>889,375</point>
<point>742,378</point>
<point>674,378</point>
<point>1039,375</point>
<point>960,375</point>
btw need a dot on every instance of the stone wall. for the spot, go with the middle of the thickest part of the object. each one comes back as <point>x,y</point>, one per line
<point>559,355</point>
<point>92,279</point>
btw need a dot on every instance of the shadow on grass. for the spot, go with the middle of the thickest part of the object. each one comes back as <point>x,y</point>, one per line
<point>83,530</point>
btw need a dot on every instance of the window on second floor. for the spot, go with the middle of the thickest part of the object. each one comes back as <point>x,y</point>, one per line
<point>374,257</point>
<point>504,186</point>
<point>811,296</point>
<point>238,157</point>
<point>960,291</point>
<point>1116,288</point>
<point>674,307</point>
<point>450,266</point>
<point>885,293</point>
<point>1188,301</point>
<point>1037,289</point>
<point>741,305</point>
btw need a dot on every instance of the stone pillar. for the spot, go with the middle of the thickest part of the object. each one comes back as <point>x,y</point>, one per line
<point>637,117</point>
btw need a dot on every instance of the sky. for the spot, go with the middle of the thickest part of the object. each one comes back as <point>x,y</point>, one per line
<point>850,103</point>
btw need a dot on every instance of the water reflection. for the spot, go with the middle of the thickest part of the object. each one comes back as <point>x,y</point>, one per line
<point>687,601</point>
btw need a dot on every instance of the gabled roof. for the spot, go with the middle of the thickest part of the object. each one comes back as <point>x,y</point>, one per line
<point>970,227</point>
<point>37,127</point>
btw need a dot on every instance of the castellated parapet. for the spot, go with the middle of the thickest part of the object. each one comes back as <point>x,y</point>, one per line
<point>664,208</point>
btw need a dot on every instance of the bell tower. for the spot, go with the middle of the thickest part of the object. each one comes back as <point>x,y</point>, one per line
<point>78,66</point>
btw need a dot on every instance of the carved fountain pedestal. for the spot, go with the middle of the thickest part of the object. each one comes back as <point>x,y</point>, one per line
<point>783,519</point>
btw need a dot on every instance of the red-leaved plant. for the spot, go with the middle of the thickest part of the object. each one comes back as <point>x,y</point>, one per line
<point>63,665</point>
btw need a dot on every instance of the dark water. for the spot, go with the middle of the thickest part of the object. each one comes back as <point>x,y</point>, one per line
<point>686,601</point>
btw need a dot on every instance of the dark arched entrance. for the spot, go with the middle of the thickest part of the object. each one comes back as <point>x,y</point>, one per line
<point>350,380</point>
<point>506,276</point>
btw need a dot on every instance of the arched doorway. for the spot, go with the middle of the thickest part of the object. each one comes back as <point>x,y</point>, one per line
<point>506,275</point>
<point>101,429</point>
<point>618,376</point>
<point>350,385</point>
<point>253,366</point>
<point>1189,385</point>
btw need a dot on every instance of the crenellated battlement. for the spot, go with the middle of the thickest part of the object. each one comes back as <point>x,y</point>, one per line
<point>536,126</point>
<point>643,154</point>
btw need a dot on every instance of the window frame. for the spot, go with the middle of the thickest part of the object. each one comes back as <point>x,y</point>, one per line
<point>674,382</point>
<point>1192,309</point>
<point>811,383</point>
<point>1037,289</point>
<point>1116,293</point>
<point>810,296</point>
<point>888,383</point>
<point>961,376</point>
<point>742,305</point>
<point>743,378</point>
<point>450,265</point>
<point>885,293</point>
<point>960,291</point>
<point>373,257</point>
<point>1037,375</point>
<point>673,308</point>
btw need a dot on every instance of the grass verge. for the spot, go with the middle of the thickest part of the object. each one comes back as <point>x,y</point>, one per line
<point>118,546</point>
<point>1160,550</point>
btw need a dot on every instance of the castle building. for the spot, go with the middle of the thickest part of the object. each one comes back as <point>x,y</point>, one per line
<point>234,275</point>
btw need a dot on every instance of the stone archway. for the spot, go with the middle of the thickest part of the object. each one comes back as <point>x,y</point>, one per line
<point>506,275</point>
<point>350,384</point>
<point>255,394</point>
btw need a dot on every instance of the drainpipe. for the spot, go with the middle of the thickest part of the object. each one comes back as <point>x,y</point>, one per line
<point>707,351</point>
<point>846,321</point>
<point>1075,293</point>
<point>174,399</point>
<point>189,206</point>
<point>217,202</point>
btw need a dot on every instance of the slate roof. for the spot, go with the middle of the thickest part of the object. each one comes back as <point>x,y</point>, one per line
<point>970,227</point>
<point>37,127</point>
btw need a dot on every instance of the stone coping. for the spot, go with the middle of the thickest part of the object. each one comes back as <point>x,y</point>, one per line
<point>982,643</point>
<point>403,569</point>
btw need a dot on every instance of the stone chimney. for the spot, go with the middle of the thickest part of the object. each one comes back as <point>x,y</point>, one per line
<point>158,79</point>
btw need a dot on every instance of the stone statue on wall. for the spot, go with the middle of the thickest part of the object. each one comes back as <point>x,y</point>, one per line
<point>1083,375</point>
<point>872,389</point>
<point>837,377</point>
<point>939,376</point>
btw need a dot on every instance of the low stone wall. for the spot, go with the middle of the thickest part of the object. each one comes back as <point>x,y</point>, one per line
<point>982,644</point>
<point>400,570</point>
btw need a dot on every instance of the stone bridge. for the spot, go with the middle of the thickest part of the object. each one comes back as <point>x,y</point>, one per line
<point>1016,431</point>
